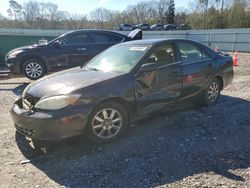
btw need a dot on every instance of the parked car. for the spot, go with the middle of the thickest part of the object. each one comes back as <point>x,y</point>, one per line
<point>69,50</point>
<point>125,82</point>
<point>157,27</point>
<point>135,26</point>
<point>144,26</point>
<point>125,27</point>
<point>170,27</point>
<point>183,27</point>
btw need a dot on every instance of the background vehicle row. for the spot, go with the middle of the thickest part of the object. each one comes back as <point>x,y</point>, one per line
<point>154,27</point>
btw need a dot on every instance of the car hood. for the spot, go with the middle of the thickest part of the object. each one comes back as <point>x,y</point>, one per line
<point>66,82</point>
<point>24,48</point>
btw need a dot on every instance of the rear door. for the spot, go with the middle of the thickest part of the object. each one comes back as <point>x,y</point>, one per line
<point>77,49</point>
<point>101,41</point>
<point>157,87</point>
<point>196,66</point>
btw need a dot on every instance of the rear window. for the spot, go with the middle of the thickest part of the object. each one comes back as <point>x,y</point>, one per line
<point>105,38</point>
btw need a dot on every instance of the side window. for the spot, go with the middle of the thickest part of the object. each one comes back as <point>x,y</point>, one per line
<point>164,54</point>
<point>205,55</point>
<point>99,38</point>
<point>105,38</point>
<point>190,53</point>
<point>115,38</point>
<point>75,39</point>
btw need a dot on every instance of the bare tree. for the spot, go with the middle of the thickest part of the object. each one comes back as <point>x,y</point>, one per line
<point>100,15</point>
<point>31,11</point>
<point>202,14</point>
<point>162,9</point>
<point>52,10</point>
<point>15,10</point>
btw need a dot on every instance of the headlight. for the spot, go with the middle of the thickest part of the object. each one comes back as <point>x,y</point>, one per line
<point>15,53</point>
<point>57,102</point>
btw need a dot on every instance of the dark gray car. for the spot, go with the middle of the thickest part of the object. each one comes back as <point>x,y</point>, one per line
<point>125,82</point>
<point>69,50</point>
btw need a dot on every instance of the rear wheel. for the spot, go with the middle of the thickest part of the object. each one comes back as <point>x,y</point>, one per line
<point>212,93</point>
<point>107,123</point>
<point>33,69</point>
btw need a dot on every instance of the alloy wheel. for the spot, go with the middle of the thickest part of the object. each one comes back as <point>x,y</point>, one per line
<point>107,123</point>
<point>34,70</point>
<point>213,91</point>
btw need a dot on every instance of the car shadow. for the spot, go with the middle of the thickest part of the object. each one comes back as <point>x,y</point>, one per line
<point>164,148</point>
<point>17,90</point>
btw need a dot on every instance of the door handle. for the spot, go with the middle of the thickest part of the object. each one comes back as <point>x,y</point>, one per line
<point>81,49</point>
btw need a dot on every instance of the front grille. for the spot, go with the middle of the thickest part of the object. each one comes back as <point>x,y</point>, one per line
<point>29,132</point>
<point>29,101</point>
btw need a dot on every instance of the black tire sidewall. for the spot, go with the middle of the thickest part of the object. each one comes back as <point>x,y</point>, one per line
<point>37,61</point>
<point>39,144</point>
<point>93,137</point>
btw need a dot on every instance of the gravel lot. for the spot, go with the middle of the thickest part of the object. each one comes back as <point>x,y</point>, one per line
<point>189,146</point>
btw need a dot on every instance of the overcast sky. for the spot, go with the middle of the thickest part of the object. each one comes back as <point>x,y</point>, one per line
<point>86,6</point>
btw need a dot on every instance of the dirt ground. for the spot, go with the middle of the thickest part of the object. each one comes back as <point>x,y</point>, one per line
<point>188,147</point>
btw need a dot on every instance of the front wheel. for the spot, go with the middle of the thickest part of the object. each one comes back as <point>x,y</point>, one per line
<point>212,93</point>
<point>107,123</point>
<point>33,69</point>
<point>39,145</point>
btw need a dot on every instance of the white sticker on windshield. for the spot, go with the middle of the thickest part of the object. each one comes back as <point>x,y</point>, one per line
<point>138,48</point>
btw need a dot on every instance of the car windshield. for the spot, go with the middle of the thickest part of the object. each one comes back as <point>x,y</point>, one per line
<point>53,40</point>
<point>57,38</point>
<point>119,58</point>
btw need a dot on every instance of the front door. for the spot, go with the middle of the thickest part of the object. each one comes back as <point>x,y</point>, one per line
<point>160,86</point>
<point>72,51</point>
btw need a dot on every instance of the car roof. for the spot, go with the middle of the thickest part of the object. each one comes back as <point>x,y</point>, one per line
<point>155,41</point>
<point>93,31</point>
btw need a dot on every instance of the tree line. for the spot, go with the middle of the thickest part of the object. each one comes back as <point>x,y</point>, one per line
<point>200,14</point>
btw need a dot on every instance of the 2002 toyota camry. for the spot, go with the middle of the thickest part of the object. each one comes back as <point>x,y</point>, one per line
<point>124,82</point>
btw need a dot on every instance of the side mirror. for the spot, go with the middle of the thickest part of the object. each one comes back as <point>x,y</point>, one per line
<point>148,67</point>
<point>151,60</point>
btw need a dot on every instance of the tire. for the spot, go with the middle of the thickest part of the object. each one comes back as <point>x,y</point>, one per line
<point>34,69</point>
<point>212,93</point>
<point>103,129</point>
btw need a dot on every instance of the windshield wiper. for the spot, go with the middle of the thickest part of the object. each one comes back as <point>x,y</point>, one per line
<point>92,68</point>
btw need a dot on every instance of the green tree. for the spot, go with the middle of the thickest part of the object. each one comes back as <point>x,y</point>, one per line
<point>205,4</point>
<point>170,14</point>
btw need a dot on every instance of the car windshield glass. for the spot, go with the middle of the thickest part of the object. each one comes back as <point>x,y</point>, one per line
<point>119,58</point>
<point>53,40</point>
